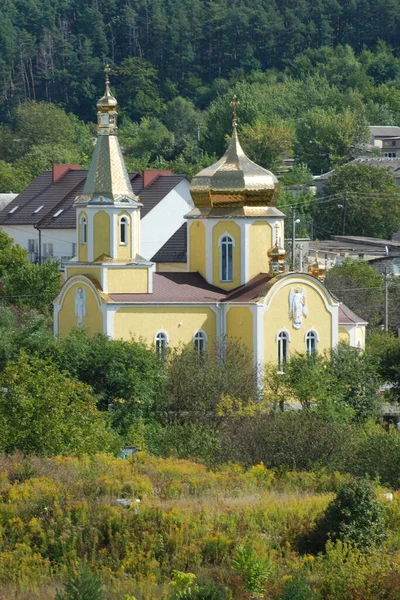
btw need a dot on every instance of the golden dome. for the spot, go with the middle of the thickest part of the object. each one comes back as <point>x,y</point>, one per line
<point>234,180</point>
<point>107,102</point>
<point>276,252</point>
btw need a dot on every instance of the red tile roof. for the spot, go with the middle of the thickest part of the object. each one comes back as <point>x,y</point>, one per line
<point>347,316</point>
<point>192,287</point>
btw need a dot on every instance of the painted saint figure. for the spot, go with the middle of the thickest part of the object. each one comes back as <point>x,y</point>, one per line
<point>80,306</point>
<point>297,306</point>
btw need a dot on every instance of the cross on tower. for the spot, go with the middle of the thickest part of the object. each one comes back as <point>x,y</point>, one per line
<point>234,105</point>
<point>107,71</point>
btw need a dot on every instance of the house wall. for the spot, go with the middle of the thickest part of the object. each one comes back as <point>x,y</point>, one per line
<point>62,239</point>
<point>64,314</point>
<point>180,323</point>
<point>164,219</point>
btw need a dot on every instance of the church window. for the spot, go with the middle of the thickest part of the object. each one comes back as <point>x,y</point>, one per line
<point>226,258</point>
<point>161,341</point>
<point>123,231</point>
<point>200,342</point>
<point>283,349</point>
<point>84,230</point>
<point>311,342</point>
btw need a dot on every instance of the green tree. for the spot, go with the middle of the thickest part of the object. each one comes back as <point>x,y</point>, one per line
<point>82,584</point>
<point>368,199</point>
<point>326,138</point>
<point>45,412</point>
<point>267,145</point>
<point>137,82</point>
<point>360,287</point>
<point>12,256</point>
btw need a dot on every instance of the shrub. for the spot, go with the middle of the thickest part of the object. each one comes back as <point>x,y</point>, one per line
<point>378,456</point>
<point>82,585</point>
<point>355,515</point>
<point>253,569</point>
<point>297,589</point>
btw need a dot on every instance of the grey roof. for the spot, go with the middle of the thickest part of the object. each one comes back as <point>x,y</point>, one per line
<point>175,249</point>
<point>384,130</point>
<point>393,164</point>
<point>53,197</point>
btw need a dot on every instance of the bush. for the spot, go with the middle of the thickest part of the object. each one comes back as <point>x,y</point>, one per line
<point>355,515</point>
<point>297,589</point>
<point>82,585</point>
<point>378,456</point>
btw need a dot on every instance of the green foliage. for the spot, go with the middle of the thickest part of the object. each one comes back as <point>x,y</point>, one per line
<point>360,287</point>
<point>370,201</point>
<point>377,455</point>
<point>253,569</point>
<point>33,286</point>
<point>44,412</point>
<point>297,589</point>
<point>82,584</point>
<point>355,515</point>
<point>384,350</point>
<point>266,144</point>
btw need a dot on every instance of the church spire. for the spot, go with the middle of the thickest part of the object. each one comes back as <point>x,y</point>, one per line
<point>108,180</point>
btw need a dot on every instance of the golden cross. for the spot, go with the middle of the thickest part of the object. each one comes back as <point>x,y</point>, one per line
<point>277,233</point>
<point>107,71</point>
<point>234,105</point>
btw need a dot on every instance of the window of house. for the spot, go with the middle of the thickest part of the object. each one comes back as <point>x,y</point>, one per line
<point>73,249</point>
<point>161,342</point>
<point>200,342</point>
<point>33,245</point>
<point>226,258</point>
<point>123,231</point>
<point>83,230</point>
<point>311,342</point>
<point>48,251</point>
<point>283,349</point>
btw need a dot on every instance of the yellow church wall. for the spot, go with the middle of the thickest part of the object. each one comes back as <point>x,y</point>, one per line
<point>276,318</point>
<point>96,273</point>
<point>171,267</point>
<point>127,281</point>
<point>137,235</point>
<point>239,324</point>
<point>179,323</point>
<point>234,231</point>
<point>360,337</point>
<point>82,248</point>
<point>344,336</point>
<point>260,241</point>
<point>197,247</point>
<point>101,234</point>
<point>93,321</point>
<point>124,250</point>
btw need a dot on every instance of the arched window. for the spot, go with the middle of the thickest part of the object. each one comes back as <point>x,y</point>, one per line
<point>84,230</point>
<point>200,341</point>
<point>311,342</point>
<point>283,349</point>
<point>123,231</point>
<point>161,341</point>
<point>227,258</point>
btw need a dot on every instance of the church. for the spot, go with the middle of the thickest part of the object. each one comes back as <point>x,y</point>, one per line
<point>236,285</point>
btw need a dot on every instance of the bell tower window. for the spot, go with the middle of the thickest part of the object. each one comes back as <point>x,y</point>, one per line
<point>123,231</point>
<point>226,245</point>
<point>84,230</point>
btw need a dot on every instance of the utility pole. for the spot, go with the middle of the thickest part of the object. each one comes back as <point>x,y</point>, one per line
<point>293,235</point>
<point>386,300</point>
<point>344,213</point>
<point>300,247</point>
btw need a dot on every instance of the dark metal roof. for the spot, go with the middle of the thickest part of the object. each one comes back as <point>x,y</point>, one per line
<point>175,249</point>
<point>60,196</point>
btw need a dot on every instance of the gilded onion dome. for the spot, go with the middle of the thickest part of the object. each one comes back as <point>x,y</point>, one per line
<point>234,179</point>
<point>107,102</point>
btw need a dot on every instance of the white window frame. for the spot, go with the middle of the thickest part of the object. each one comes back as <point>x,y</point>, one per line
<point>84,229</point>
<point>311,335</point>
<point>224,244</point>
<point>283,358</point>
<point>200,335</point>
<point>161,335</point>
<point>123,223</point>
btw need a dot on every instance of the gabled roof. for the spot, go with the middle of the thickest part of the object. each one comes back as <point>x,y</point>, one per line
<point>60,196</point>
<point>384,162</point>
<point>348,317</point>
<point>175,249</point>
<point>384,131</point>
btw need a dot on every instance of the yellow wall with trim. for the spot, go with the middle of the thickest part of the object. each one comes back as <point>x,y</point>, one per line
<point>277,317</point>
<point>360,337</point>
<point>101,234</point>
<point>344,335</point>
<point>67,320</point>
<point>171,267</point>
<point>179,323</point>
<point>127,280</point>
<point>136,249</point>
<point>260,241</point>
<point>83,270</point>
<point>125,250</point>
<point>239,325</point>
<point>82,248</point>
<point>197,247</point>
<point>233,230</point>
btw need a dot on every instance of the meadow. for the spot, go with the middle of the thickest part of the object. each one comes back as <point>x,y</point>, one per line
<point>231,533</point>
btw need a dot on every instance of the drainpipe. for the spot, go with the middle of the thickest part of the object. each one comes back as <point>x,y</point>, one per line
<point>40,244</point>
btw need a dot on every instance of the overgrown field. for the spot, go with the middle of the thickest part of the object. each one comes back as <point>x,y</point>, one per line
<point>238,531</point>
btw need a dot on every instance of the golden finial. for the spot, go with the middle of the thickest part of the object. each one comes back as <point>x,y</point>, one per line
<point>107,72</point>
<point>277,240</point>
<point>234,105</point>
